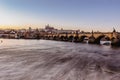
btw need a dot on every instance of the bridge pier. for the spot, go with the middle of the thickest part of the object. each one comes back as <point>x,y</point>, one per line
<point>92,40</point>
<point>71,38</point>
<point>81,39</point>
<point>76,39</point>
<point>115,42</point>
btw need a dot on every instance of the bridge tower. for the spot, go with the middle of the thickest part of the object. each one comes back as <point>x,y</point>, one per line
<point>92,33</point>
<point>91,38</point>
<point>115,39</point>
<point>114,34</point>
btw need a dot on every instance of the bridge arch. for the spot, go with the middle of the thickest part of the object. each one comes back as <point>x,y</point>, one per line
<point>91,40</point>
<point>76,39</point>
<point>54,38</point>
<point>70,38</point>
<point>99,38</point>
<point>64,38</point>
<point>83,37</point>
<point>61,38</point>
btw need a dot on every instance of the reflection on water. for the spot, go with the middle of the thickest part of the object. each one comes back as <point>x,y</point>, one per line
<point>54,60</point>
<point>22,44</point>
<point>14,43</point>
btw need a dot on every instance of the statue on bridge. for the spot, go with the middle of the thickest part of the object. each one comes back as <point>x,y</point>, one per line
<point>115,38</point>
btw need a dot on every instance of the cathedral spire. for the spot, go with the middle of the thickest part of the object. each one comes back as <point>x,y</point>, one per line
<point>114,29</point>
<point>92,33</point>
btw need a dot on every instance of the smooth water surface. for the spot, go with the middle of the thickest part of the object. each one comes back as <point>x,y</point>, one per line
<point>54,60</point>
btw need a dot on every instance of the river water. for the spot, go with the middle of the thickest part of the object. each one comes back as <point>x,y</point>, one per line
<point>54,60</point>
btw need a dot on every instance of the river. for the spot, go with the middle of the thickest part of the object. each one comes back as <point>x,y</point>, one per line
<point>54,60</point>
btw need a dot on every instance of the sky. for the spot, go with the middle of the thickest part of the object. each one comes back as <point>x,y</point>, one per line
<point>87,15</point>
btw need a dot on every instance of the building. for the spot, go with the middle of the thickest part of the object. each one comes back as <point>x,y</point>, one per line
<point>62,31</point>
<point>50,29</point>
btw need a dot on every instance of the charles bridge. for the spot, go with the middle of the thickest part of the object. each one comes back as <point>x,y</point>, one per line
<point>93,37</point>
<point>78,37</point>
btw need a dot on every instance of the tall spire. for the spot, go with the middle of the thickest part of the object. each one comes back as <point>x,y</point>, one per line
<point>114,29</point>
<point>92,33</point>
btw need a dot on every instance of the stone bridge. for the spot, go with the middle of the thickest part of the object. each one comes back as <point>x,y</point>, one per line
<point>92,37</point>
